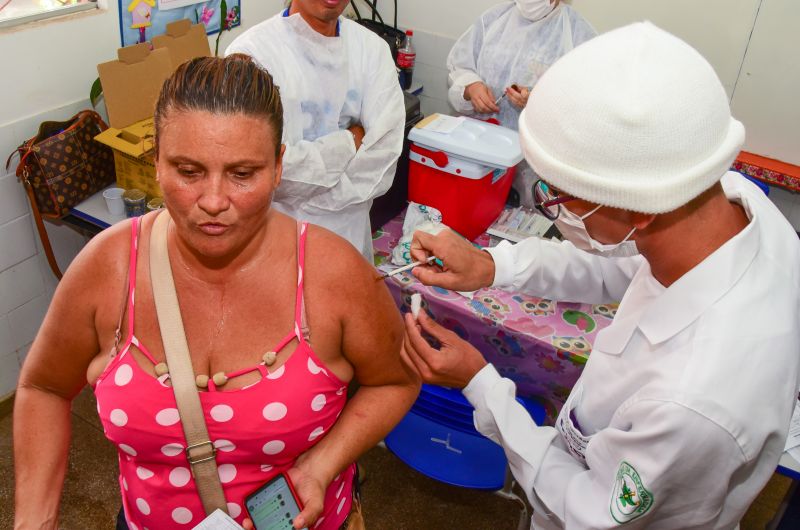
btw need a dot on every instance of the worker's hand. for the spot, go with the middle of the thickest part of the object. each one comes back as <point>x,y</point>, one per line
<point>481,98</point>
<point>518,96</point>
<point>358,134</point>
<point>464,267</point>
<point>454,364</point>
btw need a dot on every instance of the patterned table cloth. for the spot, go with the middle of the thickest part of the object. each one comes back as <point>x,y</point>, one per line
<point>540,344</point>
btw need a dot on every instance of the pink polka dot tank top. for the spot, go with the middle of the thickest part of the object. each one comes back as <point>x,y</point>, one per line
<point>258,430</point>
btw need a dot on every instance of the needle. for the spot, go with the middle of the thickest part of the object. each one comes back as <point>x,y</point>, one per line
<point>407,267</point>
<point>514,86</point>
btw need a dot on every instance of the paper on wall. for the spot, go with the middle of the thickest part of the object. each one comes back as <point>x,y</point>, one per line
<point>164,5</point>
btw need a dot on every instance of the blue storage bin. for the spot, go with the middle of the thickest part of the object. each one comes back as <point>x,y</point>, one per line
<point>448,455</point>
<point>438,438</point>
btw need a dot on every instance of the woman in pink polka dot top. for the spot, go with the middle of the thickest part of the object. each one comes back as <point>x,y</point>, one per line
<point>279,316</point>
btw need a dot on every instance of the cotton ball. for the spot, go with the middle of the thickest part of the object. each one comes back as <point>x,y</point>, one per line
<point>416,304</point>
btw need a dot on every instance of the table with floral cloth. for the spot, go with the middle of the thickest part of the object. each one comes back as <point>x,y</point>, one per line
<point>540,344</point>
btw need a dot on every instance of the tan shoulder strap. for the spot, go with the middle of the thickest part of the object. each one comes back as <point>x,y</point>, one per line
<point>199,449</point>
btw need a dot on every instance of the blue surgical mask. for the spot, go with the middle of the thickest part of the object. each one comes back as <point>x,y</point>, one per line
<point>573,229</point>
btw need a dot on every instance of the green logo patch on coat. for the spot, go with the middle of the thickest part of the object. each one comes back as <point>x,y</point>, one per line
<point>629,499</point>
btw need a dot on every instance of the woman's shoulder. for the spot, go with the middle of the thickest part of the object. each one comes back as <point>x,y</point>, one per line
<point>333,262</point>
<point>94,281</point>
<point>105,257</point>
<point>337,254</point>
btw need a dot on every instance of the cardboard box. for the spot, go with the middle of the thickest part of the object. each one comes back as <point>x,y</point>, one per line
<point>133,156</point>
<point>131,85</point>
<point>183,40</point>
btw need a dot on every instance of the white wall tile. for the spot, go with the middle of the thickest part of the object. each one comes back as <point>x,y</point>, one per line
<point>16,242</point>
<point>26,320</point>
<point>432,49</point>
<point>66,242</point>
<point>71,109</point>
<point>433,79</point>
<point>431,105</point>
<point>6,343</point>
<point>13,201</point>
<point>20,284</point>
<point>49,279</point>
<point>7,144</point>
<point>22,353</point>
<point>9,373</point>
<point>26,128</point>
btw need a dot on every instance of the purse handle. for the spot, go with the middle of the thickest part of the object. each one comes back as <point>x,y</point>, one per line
<point>199,450</point>
<point>24,151</point>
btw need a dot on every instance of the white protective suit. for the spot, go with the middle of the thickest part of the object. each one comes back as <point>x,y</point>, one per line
<point>681,413</point>
<point>328,84</point>
<point>504,48</point>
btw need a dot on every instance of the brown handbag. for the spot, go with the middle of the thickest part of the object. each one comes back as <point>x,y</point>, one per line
<point>61,166</point>
<point>355,521</point>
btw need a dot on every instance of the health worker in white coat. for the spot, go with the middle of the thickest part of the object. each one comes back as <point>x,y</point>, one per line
<point>681,413</point>
<point>343,114</point>
<point>494,65</point>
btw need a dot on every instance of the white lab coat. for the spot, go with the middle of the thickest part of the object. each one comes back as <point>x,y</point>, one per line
<point>326,85</point>
<point>503,48</point>
<point>691,387</point>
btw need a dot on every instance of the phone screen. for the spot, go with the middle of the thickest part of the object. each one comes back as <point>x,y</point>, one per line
<point>273,506</point>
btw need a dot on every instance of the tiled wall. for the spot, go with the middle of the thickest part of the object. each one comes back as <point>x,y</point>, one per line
<point>26,282</point>
<point>430,70</point>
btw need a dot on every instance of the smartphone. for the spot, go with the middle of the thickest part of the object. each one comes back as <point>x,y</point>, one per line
<point>274,505</point>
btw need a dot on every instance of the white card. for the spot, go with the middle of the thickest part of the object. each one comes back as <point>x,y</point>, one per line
<point>218,520</point>
<point>444,124</point>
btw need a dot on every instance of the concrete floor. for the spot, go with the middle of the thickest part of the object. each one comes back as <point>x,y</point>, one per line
<point>395,496</point>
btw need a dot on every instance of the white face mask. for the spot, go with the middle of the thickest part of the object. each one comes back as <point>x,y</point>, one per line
<point>574,230</point>
<point>534,10</point>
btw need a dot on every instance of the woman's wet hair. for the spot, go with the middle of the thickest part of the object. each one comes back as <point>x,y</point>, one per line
<point>222,85</point>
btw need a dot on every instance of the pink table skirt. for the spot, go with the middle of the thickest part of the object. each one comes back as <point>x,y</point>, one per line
<point>542,345</point>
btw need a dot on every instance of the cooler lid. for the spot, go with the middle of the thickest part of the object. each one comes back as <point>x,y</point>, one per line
<point>472,139</point>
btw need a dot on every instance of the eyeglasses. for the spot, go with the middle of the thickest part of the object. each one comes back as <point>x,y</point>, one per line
<point>548,200</point>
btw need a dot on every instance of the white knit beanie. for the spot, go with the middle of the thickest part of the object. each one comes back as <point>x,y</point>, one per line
<point>634,118</point>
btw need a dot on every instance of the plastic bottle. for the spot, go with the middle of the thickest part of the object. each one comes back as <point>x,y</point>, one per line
<point>405,61</point>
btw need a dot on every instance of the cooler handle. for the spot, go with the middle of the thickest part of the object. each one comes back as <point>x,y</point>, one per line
<point>439,157</point>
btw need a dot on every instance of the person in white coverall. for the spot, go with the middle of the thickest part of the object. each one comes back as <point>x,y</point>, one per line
<point>681,413</point>
<point>343,114</point>
<point>502,56</point>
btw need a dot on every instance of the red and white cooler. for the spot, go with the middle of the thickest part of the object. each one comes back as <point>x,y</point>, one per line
<point>465,173</point>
